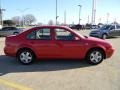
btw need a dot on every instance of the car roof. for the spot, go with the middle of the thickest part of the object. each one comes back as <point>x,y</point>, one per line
<point>52,26</point>
<point>8,26</point>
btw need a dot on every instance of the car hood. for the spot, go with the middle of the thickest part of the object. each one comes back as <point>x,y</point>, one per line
<point>96,41</point>
<point>95,31</point>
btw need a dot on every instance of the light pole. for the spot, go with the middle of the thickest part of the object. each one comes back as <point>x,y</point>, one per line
<point>80,6</point>
<point>22,11</point>
<point>93,12</point>
<point>1,14</point>
<point>65,17</point>
<point>56,12</point>
<point>108,17</point>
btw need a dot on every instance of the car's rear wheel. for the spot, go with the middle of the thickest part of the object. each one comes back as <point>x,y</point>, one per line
<point>95,56</point>
<point>104,36</point>
<point>26,57</point>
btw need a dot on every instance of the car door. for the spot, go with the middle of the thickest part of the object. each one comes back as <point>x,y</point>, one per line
<point>4,31</point>
<point>68,44</point>
<point>41,40</point>
<point>118,30</point>
<point>112,31</point>
<point>12,30</point>
<point>7,31</point>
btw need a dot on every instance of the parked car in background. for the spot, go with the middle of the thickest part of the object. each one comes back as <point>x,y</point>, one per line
<point>90,26</point>
<point>77,27</point>
<point>6,31</point>
<point>94,26</point>
<point>56,42</point>
<point>106,31</point>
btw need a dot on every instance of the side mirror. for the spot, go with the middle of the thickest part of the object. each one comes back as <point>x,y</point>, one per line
<point>77,38</point>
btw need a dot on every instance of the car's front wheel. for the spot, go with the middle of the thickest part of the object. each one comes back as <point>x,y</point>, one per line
<point>95,56</point>
<point>104,36</point>
<point>25,57</point>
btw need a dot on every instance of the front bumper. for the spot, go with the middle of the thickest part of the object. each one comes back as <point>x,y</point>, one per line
<point>109,52</point>
<point>95,35</point>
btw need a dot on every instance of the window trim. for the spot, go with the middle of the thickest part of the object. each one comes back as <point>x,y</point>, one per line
<point>65,30</point>
<point>36,35</point>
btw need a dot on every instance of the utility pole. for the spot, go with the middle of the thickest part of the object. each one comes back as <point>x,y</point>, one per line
<point>1,14</point>
<point>79,12</point>
<point>93,12</point>
<point>56,11</point>
<point>88,19</point>
<point>65,17</point>
<point>108,17</point>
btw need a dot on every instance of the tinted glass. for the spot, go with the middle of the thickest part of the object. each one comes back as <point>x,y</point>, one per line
<point>62,34</point>
<point>118,26</point>
<point>112,27</point>
<point>43,34</point>
<point>31,35</point>
<point>105,27</point>
<point>9,28</point>
<point>13,28</point>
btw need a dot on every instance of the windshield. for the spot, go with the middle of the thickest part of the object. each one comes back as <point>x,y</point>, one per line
<point>105,27</point>
<point>78,33</point>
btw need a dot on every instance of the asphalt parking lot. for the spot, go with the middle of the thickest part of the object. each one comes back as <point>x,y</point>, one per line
<point>60,74</point>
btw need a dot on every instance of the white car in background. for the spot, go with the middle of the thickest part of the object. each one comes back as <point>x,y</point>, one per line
<point>6,31</point>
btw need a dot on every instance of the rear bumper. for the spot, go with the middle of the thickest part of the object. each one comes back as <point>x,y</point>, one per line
<point>9,52</point>
<point>109,52</point>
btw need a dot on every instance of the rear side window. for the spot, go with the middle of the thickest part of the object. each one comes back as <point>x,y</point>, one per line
<point>9,28</point>
<point>118,26</point>
<point>13,28</point>
<point>43,34</point>
<point>5,28</point>
<point>32,35</point>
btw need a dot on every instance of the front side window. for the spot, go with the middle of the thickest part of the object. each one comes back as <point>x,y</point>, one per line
<point>112,27</point>
<point>43,34</point>
<point>105,27</point>
<point>62,34</point>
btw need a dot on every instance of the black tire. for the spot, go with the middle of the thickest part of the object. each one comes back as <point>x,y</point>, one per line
<point>95,56</point>
<point>104,36</point>
<point>26,57</point>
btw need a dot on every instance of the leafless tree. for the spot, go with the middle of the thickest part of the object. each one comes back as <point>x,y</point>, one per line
<point>29,19</point>
<point>16,20</point>
<point>39,24</point>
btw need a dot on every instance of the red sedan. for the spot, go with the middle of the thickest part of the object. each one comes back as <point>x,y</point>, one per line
<point>56,42</point>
